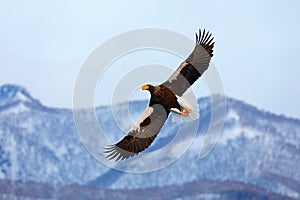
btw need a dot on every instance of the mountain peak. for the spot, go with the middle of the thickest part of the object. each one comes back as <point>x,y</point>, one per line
<point>11,94</point>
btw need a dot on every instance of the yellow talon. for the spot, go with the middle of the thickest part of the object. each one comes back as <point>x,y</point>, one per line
<point>184,113</point>
<point>187,109</point>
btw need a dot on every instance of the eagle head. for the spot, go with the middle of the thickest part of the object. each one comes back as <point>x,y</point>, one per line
<point>148,87</point>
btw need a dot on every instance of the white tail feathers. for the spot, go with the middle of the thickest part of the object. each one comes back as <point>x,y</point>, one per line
<point>189,101</point>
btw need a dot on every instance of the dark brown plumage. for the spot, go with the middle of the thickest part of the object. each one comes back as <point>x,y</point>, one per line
<point>164,99</point>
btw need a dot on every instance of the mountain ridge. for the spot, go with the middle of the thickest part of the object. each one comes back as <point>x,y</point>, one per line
<point>8,88</point>
<point>41,144</point>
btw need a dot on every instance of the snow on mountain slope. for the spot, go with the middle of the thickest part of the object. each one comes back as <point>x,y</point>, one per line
<point>41,144</point>
<point>12,94</point>
<point>253,144</point>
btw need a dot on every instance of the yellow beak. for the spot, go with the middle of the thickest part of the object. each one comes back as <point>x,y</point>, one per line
<point>145,87</point>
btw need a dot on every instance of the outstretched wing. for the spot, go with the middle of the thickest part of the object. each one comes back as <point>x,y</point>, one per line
<point>194,66</point>
<point>141,135</point>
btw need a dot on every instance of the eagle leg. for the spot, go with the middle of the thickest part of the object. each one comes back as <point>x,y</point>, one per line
<point>185,111</point>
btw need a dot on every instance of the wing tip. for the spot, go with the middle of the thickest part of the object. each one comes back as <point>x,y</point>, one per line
<point>204,38</point>
<point>113,152</point>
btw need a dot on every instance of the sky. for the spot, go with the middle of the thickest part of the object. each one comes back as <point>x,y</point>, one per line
<point>43,44</point>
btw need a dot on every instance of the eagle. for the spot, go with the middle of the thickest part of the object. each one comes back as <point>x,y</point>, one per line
<point>165,98</point>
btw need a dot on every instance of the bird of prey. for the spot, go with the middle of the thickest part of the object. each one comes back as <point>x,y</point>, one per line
<point>165,98</point>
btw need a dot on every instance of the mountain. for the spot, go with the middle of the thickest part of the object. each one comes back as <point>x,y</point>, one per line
<point>40,143</point>
<point>257,155</point>
<point>204,189</point>
<point>16,98</point>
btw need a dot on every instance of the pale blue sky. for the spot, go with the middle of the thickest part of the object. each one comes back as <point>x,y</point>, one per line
<point>44,43</point>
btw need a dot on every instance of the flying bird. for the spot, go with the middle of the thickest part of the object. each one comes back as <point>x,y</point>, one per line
<point>165,98</point>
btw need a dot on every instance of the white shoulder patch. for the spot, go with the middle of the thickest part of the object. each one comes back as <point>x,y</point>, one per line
<point>176,73</point>
<point>145,114</point>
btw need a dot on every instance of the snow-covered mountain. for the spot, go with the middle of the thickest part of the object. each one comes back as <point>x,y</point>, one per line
<point>41,145</point>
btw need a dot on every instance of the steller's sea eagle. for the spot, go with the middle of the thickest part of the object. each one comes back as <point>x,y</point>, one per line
<point>165,98</point>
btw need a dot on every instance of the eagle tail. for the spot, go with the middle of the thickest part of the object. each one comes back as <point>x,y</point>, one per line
<point>189,101</point>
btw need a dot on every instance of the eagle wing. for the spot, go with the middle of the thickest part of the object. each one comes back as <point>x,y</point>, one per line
<point>194,66</point>
<point>141,135</point>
